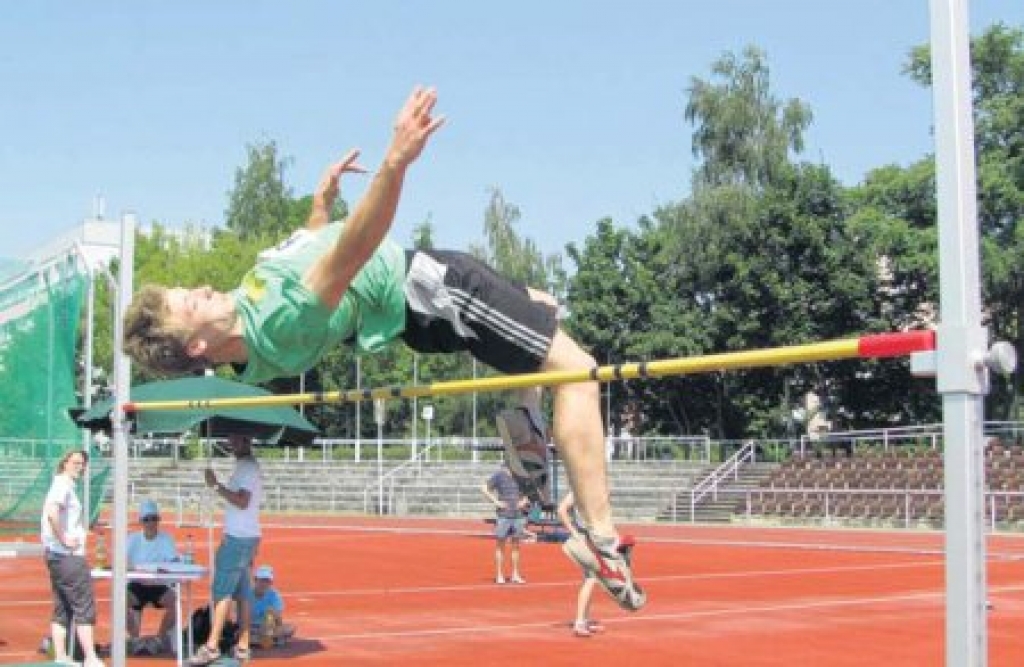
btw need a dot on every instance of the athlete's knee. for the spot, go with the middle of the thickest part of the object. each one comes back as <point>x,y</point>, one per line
<point>542,297</point>
<point>566,353</point>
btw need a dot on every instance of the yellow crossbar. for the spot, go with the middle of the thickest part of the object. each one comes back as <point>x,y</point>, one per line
<point>865,347</point>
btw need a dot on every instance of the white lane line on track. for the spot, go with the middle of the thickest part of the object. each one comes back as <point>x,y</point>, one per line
<point>571,583</point>
<point>743,544</point>
<point>744,610</point>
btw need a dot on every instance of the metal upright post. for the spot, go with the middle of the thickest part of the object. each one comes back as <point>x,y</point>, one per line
<point>962,341</point>
<point>119,430</point>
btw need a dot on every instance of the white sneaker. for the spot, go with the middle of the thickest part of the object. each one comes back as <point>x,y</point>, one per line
<point>500,579</point>
<point>608,560</point>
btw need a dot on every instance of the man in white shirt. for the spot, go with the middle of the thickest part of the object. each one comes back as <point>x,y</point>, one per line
<point>232,574</point>
<point>151,545</point>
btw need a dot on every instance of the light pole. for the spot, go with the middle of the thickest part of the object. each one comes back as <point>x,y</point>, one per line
<point>379,408</point>
<point>475,451</point>
<point>428,415</point>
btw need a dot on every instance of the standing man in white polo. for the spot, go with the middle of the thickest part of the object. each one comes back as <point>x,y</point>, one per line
<point>232,574</point>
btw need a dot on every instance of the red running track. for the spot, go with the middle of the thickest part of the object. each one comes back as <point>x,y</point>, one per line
<point>420,592</point>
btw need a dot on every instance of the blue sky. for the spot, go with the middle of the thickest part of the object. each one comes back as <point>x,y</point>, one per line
<point>573,108</point>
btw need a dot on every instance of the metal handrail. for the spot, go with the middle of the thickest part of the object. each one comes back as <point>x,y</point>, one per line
<point>729,468</point>
<point>830,495</point>
<point>422,455</point>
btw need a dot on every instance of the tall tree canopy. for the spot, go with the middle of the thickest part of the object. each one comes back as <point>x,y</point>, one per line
<point>743,132</point>
<point>260,202</point>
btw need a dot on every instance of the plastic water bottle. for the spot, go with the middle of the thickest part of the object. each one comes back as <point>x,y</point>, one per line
<point>101,559</point>
<point>268,630</point>
<point>189,557</point>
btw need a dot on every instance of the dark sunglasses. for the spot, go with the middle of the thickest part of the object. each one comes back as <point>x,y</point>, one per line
<point>150,519</point>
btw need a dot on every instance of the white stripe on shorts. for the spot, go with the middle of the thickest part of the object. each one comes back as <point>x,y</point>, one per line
<point>501,324</point>
<point>426,292</point>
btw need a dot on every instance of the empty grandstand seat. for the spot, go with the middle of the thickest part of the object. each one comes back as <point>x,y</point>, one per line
<point>936,509</point>
<point>840,504</point>
<point>1015,512</point>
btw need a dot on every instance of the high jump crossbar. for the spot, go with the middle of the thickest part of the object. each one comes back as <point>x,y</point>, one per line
<point>875,346</point>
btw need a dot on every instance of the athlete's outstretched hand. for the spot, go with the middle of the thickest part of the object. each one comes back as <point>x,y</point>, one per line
<point>413,127</point>
<point>327,190</point>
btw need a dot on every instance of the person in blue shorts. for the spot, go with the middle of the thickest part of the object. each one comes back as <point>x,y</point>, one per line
<point>335,283</point>
<point>510,507</point>
<point>232,570</point>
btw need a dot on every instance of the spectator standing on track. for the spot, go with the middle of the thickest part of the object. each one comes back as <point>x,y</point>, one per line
<point>232,575</point>
<point>584,625</point>
<point>63,530</point>
<point>151,545</point>
<point>509,522</point>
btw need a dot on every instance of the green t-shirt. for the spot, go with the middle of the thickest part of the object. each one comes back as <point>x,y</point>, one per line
<point>287,329</point>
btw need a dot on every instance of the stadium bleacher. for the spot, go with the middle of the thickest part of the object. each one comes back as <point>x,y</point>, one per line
<point>902,486</point>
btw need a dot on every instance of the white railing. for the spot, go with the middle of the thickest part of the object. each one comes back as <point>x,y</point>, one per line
<point>389,478</point>
<point>898,435</point>
<point>654,448</point>
<point>729,469</point>
<point>628,448</point>
<point>193,508</point>
<point>997,504</point>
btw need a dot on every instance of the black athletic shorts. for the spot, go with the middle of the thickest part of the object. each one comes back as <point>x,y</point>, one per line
<point>147,594</point>
<point>455,302</point>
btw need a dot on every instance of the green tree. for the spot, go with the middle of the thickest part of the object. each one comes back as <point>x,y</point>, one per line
<point>743,132</point>
<point>260,203</point>
<point>512,255</point>
<point>622,308</point>
<point>298,211</point>
<point>423,236</point>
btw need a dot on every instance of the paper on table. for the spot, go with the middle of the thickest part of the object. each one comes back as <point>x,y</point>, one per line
<point>181,568</point>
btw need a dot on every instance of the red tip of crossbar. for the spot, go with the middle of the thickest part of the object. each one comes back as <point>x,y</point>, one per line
<point>895,344</point>
<point>129,407</point>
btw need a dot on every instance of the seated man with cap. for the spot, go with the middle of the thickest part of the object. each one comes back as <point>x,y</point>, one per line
<point>150,545</point>
<point>268,610</point>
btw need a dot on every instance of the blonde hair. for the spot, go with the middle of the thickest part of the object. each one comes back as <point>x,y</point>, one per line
<point>152,341</point>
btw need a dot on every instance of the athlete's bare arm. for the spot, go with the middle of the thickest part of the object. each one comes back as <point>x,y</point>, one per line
<point>330,276</point>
